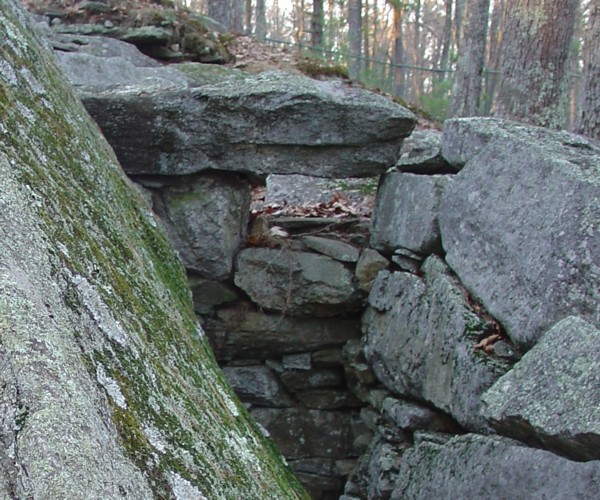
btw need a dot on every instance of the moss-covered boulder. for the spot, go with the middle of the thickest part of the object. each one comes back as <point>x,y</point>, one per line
<point>108,387</point>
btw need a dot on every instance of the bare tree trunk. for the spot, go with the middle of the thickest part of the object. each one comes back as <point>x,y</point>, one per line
<point>366,30</point>
<point>399,70</point>
<point>261,20</point>
<point>316,25</point>
<point>466,94</point>
<point>493,59</point>
<point>537,36</point>
<point>446,40</point>
<point>459,11</point>
<point>354,37</point>
<point>219,11</point>
<point>587,120</point>
<point>237,16</point>
<point>417,76</point>
<point>248,16</point>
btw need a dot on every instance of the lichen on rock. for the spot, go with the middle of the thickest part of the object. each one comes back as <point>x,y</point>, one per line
<point>109,386</point>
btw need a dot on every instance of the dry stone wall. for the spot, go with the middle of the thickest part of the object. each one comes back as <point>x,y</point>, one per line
<point>385,362</point>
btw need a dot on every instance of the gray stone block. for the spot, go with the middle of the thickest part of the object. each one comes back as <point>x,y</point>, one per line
<point>206,218</point>
<point>406,213</point>
<point>551,398</point>
<point>296,283</point>
<point>521,227</point>
<point>474,466</point>
<point>419,338</point>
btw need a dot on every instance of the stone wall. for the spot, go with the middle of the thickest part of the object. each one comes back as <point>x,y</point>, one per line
<point>457,333</point>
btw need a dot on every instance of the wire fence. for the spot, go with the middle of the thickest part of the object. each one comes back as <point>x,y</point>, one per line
<point>427,87</point>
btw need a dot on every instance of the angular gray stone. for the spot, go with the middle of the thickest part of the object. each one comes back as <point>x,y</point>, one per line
<point>406,213</point>
<point>295,380</point>
<point>422,154</point>
<point>411,416</point>
<point>474,466</point>
<point>368,266</point>
<point>257,385</point>
<point>209,294</point>
<point>206,219</point>
<point>108,387</point>
<point>377,470</point>
<point>465,138</point>
<point>300,361</point>
<point>335,249</point>
<point>327,399</point>
<point>521,227</point>
<point>301,433</point>
<point>102,47</point>
<point>239,331</point>
<point>420,334</point>
<point>552,396</point>
<point>91,74</point>
<point>268,123</point>
<point>296,283</point>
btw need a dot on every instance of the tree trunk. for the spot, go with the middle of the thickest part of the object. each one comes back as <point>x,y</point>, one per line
<point>354,37</point>
<point>446,40</point>
<point>261,20</point>
<point>316,25</point>
<point>366,29</point>
<point>468,81</point>
<point>587,120</point>
<point>417,75</point>
<point>399,70</point>
<point>493,60</point>
<point>219,11</point>
<point>237,16</point>
<point>536,40</point>
<point>248,16</point>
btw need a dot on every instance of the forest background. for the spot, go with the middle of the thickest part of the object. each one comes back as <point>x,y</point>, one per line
<point>536,61</point>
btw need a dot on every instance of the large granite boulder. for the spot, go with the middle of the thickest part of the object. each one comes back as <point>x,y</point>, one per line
<point>267,123</point>
<point>521,224</point>
<point>552,396</point>
<point>420,335</point>
<point>474,466</point>
<point>109,388</point>
<point>296,283</point>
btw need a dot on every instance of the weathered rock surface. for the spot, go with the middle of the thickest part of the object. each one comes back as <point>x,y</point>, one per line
<point>406,213</point>
<point>368,266</point>
<point>474,466</point>
<point>91,73</point>
<point>301,433</point>
<point>109,388</point>
<point>335,249</point>
<point>267,123</point>
<point>530,254</point>
<point>465,138</point>
<point>240,331</point>
<point>296,283</point>
<point>422,154</point>
<point>257,385</point>
<point>102,47</point>
<point>552,396</point>
<point>420,334</point>
<point>206,219</point>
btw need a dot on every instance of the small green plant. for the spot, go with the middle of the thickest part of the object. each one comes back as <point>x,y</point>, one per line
<point>437,102</point>
<point>318,68</point>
